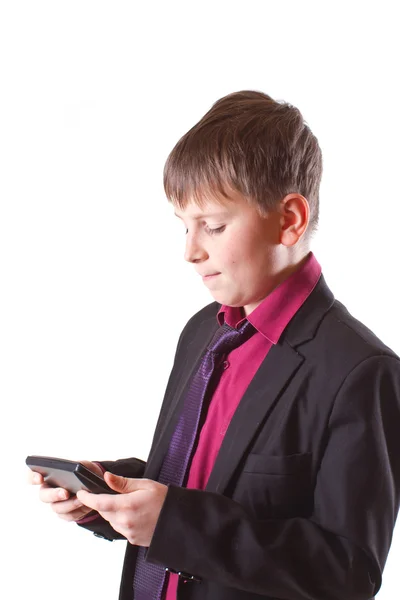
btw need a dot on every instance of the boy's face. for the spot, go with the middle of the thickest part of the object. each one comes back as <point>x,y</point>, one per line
<point>237,252</point>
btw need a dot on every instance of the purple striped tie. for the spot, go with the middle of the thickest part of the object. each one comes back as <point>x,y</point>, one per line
<point>150,579</point>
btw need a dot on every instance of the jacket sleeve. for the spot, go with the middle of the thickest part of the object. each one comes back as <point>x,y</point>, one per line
<point>340,550</point>
<point>126,467</point>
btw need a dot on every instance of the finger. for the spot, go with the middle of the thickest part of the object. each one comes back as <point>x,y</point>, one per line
<point>124,485</point>
<point>103,503</point>
<point>92,467</point>
<point>50,494</point>
<point>35,478</point>
<point>76,514</point>
<point>69,506</point>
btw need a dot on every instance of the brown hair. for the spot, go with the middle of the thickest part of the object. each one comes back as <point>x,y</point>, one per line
<point>247,141</point>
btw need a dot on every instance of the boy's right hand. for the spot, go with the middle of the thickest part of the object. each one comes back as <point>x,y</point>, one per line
<point>64,504</point>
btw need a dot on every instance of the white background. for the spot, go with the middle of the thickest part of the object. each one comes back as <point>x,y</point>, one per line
<point>93,97</point>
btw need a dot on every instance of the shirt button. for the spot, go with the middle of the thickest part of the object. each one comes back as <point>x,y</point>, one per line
<point>225,364</point>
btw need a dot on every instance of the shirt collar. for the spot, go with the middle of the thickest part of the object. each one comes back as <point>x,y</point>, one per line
<point>272,316</point>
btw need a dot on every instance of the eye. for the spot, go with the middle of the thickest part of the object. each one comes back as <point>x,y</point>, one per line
<point>214,231</point>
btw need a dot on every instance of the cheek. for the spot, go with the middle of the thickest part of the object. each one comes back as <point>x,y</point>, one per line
<point>242,255</point>
<point>237,251</point>
<point>247,266</point>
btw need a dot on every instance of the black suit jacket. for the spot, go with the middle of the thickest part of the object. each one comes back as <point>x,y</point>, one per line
<point>303,497</point>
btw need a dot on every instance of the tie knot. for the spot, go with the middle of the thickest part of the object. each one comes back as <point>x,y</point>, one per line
<point>227,338</point>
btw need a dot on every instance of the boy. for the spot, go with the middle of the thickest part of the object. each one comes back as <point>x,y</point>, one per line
<point>275,465</point>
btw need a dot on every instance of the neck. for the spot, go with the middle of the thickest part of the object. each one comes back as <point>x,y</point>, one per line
<point>286,271</point>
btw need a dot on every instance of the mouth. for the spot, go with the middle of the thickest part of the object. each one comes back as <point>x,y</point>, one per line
<point>206,277</point>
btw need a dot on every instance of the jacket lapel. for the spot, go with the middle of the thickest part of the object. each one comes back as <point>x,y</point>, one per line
<point>278,367</point>
<point>259,399</point>
<point>276,370</point>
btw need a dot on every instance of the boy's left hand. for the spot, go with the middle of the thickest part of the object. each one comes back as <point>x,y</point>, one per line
<point>134,511</point>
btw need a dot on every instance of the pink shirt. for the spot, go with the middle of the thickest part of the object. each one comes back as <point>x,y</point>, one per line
<point>270,319</point>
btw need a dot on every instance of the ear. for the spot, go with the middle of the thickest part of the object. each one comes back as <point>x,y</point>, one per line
<point>295,216</point>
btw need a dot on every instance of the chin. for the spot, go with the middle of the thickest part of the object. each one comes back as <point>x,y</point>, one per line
<point>220,299</point>
<point>227,300</point>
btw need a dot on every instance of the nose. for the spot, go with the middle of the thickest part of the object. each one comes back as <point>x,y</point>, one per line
<point>194,252</point>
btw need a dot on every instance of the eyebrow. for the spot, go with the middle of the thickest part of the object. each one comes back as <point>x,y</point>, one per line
<point>205,216</point>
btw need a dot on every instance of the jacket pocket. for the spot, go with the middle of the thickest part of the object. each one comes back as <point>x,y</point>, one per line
<point>276,486</point>
<point>277,465</point>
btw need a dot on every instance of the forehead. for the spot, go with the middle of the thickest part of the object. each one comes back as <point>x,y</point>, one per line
<point>197,214</point>
<point>210,207</point>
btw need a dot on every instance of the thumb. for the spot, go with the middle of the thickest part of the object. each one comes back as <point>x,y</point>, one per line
<point>123,485</point>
